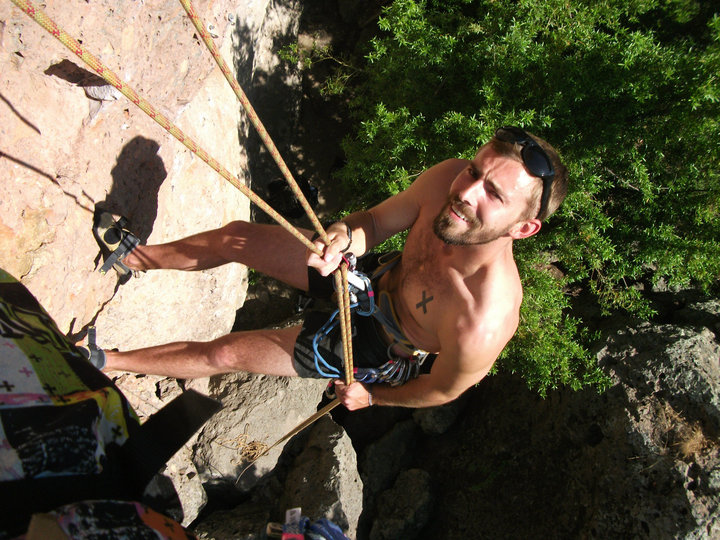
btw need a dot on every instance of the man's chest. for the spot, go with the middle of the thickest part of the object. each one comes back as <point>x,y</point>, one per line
<point>427,290</point>
<point>425,296</point>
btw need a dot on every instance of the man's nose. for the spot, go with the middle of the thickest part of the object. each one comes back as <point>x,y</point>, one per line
<point>471,190</point>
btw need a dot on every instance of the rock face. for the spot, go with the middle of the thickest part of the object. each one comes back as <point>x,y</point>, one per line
<point>324,479</point>
<point>641,460</point>
<point>638,461</point>
<point>258,412</point>
<point>66,152</point>
<point>70,144</point>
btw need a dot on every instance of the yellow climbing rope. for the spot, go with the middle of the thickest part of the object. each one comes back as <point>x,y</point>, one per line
<point>340,278</point>
<point>341,281</point>
<point>39,16</point>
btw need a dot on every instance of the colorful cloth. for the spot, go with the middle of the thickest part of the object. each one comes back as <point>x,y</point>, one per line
<point>58,414</point>
<point>116,519</point>
<point>64,426</point>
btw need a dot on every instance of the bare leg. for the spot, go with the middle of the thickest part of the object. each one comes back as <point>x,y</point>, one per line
<point>269,249</point>
<point>259,351</point>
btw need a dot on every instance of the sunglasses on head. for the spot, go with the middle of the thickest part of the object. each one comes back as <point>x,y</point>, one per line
<point>534,157</point>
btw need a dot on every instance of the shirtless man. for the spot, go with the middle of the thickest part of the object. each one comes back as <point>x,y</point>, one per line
<point>456,290</point>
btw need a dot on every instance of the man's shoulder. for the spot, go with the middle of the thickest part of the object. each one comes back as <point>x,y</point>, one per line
<point>445,170</point>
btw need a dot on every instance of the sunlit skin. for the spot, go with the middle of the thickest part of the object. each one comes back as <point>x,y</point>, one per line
<point>456,289</point>
<point>459,252</point>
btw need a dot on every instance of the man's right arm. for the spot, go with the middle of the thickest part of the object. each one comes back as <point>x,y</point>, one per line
<point>368,228</point>
<point>371,227</point>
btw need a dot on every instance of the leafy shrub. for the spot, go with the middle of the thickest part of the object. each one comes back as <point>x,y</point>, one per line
<point>628,92</point>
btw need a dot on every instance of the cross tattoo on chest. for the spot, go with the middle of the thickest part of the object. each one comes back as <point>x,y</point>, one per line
<point>424,302</point>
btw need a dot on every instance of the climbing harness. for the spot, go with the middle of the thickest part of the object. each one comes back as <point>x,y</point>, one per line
<point>398,369</point>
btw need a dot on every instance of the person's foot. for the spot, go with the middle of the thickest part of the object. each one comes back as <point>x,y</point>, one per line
<point>92,353</point>
<point>115,241</point>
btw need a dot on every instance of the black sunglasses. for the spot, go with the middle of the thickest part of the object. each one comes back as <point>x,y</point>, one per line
<point>534,158</point>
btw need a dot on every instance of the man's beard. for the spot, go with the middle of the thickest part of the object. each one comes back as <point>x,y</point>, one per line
<point>474,234</point>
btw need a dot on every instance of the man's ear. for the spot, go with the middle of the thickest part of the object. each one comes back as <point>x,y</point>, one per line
<point>525,229</point>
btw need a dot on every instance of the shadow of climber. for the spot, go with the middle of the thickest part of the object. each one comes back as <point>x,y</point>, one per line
<point>137,176</point>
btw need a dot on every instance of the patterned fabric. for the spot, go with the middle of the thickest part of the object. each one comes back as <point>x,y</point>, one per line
<point>67,433</point>
<point>58,414</point>
<point>116,519</point>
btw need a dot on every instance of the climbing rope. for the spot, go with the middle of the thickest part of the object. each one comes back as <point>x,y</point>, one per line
<point>347,339</point>
<point>341,279</point>
<point>341,283</point>
<point>252,115</point>
<point>39,16</point>
<point>340,275</point>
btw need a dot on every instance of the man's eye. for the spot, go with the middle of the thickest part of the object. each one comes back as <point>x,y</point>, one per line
<point>473,172</point>
<point>492,193</point>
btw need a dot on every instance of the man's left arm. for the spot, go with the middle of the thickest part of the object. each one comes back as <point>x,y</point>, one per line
<point>369,228</point>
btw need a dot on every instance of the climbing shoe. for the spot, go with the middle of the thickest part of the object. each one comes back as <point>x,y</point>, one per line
<point>92,353</point>
<point>115,242</point>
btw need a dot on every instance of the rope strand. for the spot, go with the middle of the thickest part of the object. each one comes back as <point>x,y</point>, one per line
<point>341,283</point>
<point>252,115</point>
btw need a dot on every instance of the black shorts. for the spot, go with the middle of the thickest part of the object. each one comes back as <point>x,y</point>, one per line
<point>369,346</point>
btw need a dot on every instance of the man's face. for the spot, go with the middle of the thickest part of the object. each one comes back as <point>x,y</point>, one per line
<point>485,200</point>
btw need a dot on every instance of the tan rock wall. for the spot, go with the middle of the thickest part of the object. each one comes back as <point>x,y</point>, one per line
<point>64,153</point>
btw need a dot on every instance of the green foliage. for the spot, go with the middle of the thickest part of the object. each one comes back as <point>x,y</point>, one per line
<point>628,91</point>
<point>305,59</point>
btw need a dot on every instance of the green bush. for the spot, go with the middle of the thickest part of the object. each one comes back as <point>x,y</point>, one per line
<point>628,92</point>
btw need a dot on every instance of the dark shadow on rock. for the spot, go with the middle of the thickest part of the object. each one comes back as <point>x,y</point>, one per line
<point>275,97</point>
<point>137,176</point>
<point>19,115</point>
<point>76,335</point>
<point>570,456</point>
<point>74,74</point>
